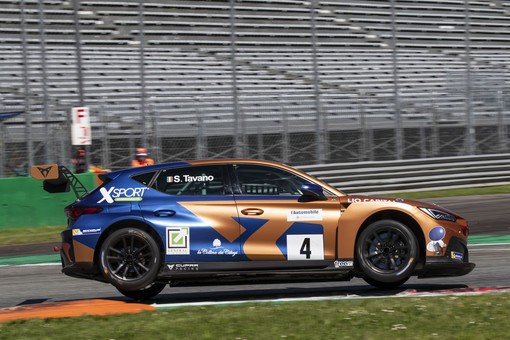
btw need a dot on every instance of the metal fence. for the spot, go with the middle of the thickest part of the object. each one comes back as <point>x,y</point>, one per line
<point>298,82</point>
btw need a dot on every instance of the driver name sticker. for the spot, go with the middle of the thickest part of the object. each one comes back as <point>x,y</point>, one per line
<point>177,241</point>
<point>189,178</point>
<point>304,215</point>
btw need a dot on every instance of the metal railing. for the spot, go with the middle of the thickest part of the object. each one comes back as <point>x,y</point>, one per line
<point>415,174</point>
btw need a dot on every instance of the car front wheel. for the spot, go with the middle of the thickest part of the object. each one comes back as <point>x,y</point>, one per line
<point>145,293</point>
<point>130,259</point>
<point>387,252</point>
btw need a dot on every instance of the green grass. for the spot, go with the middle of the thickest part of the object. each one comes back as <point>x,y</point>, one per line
<point>30,235</point>
<point>52,233</point>
<point>449,317</point>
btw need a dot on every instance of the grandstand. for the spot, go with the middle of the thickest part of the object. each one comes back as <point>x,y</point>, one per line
<point>302,82</point>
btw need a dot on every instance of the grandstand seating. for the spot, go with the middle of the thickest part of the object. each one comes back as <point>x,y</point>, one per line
<point>189,54</point>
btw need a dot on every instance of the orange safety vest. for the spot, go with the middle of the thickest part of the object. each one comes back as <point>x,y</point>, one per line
<point>146,161</point>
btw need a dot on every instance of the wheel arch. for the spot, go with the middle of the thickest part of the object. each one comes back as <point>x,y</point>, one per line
<point>128,223</point>
<point>398,216</point>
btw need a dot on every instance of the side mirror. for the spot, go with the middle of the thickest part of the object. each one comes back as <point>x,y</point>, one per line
<point>312,192</point>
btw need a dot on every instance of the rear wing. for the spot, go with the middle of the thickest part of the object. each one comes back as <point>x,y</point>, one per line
<point>58,178</point>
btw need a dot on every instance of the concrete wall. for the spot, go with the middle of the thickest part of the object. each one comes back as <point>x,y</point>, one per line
<point>24,203</point>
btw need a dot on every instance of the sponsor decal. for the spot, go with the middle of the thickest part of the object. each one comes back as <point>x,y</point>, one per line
<point>457,256</point>
<point>44,171</point>
<point>305,247</point>
<point>86,231</point>
<point>343,264</point>
<point>183,266</point>
<point>188,178</point>
<point>121,194</point>
<point>177,241</point>
<point>217,249</point>
<point>368,199</point>
<point>304,215</point>
<point>436,235</point>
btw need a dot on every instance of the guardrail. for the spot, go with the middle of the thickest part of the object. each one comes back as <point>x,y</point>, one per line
<point>414,174</point>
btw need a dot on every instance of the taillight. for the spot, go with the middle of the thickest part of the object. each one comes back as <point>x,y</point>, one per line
<point>465,230</point>
<point>74,212</point>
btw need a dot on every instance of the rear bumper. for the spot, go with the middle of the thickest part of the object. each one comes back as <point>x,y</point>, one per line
<point>76,269</point>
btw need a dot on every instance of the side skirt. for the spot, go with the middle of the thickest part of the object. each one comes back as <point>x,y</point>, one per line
<point>196,273</point>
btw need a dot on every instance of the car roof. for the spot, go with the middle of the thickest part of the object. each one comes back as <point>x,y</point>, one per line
<point>132,171</point>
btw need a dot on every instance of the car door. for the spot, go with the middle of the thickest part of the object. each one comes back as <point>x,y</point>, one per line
<point>277,224</point>
<point>194,210</point>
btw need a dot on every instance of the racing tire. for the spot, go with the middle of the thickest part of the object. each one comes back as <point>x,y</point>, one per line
<point>145,293</point>
<point>130,259</point>
<point>387,252</point>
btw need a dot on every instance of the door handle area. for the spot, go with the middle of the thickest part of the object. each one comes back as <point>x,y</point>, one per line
<point>164,213</point>
<point>252,211</point>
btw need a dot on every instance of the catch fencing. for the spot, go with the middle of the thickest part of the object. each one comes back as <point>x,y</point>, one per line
<point>309,82</point>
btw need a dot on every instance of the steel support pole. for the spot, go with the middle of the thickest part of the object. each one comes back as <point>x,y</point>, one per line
<point>502,129</point>
<point>105,155</point>
<point>77,37</point>
<point>363,129</point>
<point>285,134</point>
<point>394,57</point>
<point>201,138</point>
<point>157,133</point>
<point>46,115</point>
<point>141,36</point>
<point>26,92</point>
<point>3,155</point>
<point>470,129</point>
<point>319,122</point>
<point>79,67</point>
<point>238,126</point>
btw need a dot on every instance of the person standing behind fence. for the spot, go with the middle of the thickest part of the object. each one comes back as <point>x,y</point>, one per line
<point>141,158</point>
<point>80,163</point>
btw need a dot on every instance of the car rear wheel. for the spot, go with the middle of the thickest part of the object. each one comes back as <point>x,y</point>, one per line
<point>387,252</point>
<point>145,293</point>
<point>130,259</point>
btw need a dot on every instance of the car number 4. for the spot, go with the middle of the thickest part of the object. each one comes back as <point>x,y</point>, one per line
<point>305,247</point>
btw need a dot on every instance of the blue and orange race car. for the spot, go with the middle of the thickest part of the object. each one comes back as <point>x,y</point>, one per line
<point>217,220</point>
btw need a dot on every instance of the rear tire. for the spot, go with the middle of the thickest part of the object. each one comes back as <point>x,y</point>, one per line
<point>387,252</point>
<point>130,259</point>
<point>145,293</point>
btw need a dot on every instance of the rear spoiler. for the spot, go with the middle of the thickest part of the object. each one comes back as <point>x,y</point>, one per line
<point>58,178</point>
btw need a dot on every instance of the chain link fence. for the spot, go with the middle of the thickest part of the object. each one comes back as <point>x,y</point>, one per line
<point>297,82</point>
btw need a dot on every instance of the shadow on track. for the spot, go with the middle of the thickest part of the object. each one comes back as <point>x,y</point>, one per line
<point>250,294</point>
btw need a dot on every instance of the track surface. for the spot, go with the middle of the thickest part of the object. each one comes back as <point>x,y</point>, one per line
<point>21,285</point>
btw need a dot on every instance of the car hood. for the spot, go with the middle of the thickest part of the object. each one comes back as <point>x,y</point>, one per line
<point>393,200</point>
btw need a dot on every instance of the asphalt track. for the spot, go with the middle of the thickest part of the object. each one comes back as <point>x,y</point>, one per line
<point>40,284</point>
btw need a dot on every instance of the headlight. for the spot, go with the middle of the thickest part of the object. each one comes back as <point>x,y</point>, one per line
<point>438,214</point>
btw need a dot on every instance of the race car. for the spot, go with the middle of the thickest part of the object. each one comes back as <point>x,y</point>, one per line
<point>222,220</point>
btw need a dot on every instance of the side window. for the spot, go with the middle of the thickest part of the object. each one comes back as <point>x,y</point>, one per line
<point>265,180</point>
<point>144,178</point>
<point>191,181</point>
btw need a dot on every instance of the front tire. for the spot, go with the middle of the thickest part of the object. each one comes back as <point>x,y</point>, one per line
<point>130,259</point>
<point>387,252</point>
<point>145,293</point>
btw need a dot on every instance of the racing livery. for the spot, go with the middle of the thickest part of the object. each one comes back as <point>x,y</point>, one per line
<point>216,220</point>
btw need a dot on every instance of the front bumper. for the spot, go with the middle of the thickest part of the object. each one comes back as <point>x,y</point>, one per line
<point>455,262</point>
<point>443,266</point>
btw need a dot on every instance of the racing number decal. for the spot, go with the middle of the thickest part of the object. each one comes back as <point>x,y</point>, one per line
<point>305,247</point>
